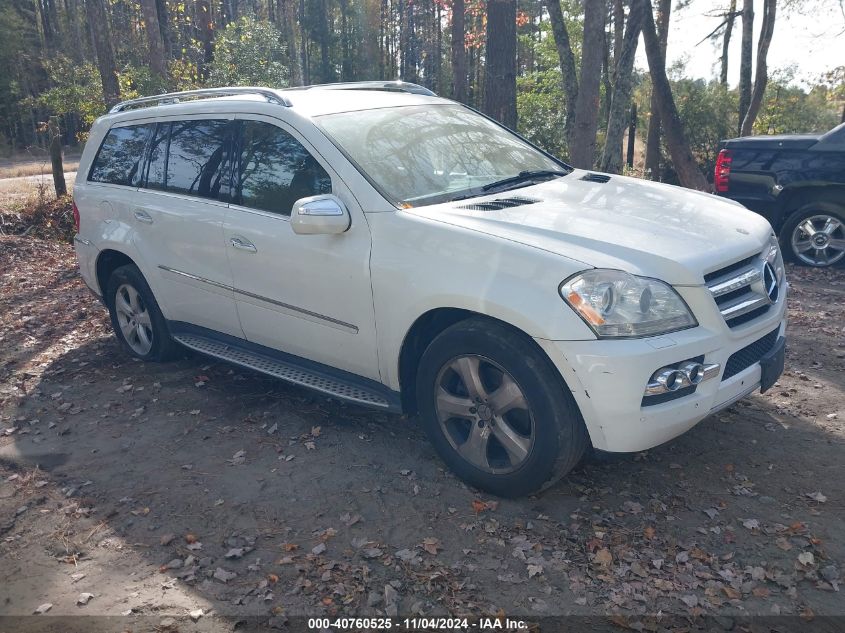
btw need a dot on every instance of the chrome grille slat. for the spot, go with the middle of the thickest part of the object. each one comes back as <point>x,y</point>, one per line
<point>737,290</point>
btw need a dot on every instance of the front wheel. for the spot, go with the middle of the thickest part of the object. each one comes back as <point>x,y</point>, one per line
<point>496,410</point>
<point>815,234</point>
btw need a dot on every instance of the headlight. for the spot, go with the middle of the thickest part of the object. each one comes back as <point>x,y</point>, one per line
<point>616,304</point>
<point>774,257</point>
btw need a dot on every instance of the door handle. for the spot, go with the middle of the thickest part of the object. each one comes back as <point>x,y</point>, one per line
<point>243,244</point>
<point>143,216</point>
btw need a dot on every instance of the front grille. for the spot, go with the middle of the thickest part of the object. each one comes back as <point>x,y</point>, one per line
<point>738,290</point>
<point>750,354</point>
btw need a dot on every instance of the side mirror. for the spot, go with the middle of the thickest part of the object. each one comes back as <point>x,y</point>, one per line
<point>320,215</point>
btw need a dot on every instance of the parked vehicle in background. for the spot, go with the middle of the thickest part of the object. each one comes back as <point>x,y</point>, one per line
<point>401,251</point>
<point>797,182</point>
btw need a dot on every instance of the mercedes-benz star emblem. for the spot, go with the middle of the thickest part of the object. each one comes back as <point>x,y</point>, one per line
<point>770,282</point>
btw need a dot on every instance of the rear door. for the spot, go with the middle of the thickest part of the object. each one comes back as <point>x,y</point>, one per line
<point>178,216</point>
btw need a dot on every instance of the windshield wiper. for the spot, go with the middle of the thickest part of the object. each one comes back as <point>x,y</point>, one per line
<point>524,177</point>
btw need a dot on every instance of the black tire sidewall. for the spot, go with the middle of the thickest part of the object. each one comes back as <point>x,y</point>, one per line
<point>559,431</point>
<point>162,345</point>
<point>818,207</point>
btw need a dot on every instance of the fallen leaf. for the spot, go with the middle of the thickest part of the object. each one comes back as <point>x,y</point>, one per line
<point>44,608</point>
<point>534,570</point>
<point>806,558</point>
<point>189,538</point>
<point>751,524</point>
<point>289,547</point>
<point>84,598</point>
<point>603,557</point>
<point>430,545</point>
<point>649,532</point>
<point>816,496</point>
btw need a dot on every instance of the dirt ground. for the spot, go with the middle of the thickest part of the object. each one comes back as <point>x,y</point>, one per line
<point>196,496</point>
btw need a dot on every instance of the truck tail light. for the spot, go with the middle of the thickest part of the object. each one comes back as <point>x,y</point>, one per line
<point>722,176</point>
<point>75,217</point>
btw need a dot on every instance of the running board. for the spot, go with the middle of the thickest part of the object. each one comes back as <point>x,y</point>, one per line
<point>288,371</point>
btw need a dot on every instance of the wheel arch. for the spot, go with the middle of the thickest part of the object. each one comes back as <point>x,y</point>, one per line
<point>426,328</point>
<point>793,198</point>
<point>108,261</point>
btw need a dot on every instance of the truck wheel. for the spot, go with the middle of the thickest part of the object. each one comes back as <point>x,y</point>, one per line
<point>496,410</point>
<point>135,316</point>
<point>815,234</point>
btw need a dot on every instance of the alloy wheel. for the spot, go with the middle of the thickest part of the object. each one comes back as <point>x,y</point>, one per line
<point>134,319</point>
<point>819,240</point>
<point>484,414</point>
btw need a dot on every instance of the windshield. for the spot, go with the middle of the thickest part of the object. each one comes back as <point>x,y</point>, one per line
<point>418,155</point>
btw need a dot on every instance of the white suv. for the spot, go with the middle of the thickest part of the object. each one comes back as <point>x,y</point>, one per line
<point>398,250</point>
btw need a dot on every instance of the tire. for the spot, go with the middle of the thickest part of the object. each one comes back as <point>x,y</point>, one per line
<point>816,224</point>
<point>498,445</point>
<point>143,333</point>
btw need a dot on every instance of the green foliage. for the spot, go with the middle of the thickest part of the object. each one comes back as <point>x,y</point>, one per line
<point>76,90</point>
<point>541,111</point>
<point>788,109</point>
<point>249,52</point>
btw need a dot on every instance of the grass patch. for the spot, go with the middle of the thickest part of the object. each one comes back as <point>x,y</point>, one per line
<point>39,216</point>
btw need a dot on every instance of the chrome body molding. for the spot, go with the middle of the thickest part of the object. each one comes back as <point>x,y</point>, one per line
<point>322,317</point>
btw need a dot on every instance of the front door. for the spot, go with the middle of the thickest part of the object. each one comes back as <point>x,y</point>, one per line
<point>307,295</point>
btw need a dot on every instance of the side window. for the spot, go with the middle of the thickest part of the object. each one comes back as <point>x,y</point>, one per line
<point>119,157</point>
<point>196,157</point>
<point>275,170</point>
<point>158,157</point>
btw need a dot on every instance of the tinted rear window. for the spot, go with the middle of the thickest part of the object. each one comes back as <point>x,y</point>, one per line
<point>119,158</point>
<point>196,157</point>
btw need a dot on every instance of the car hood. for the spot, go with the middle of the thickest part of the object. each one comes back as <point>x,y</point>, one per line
<point>643,227</point>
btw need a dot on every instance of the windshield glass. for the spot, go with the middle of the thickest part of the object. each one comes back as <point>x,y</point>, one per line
<point>418,155</point>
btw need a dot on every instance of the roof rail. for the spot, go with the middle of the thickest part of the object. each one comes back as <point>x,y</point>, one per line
<point>391,86</point>
<point>175,97</point>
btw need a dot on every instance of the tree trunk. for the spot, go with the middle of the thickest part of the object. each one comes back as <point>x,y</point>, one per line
<point>582,145</point>
<point>726,42</point>
<point>611,159</point>
<point>158,61</point>
<point>500,71</point>
<point>652,147</point>
<point>56,156</point>
<point>206,35</point>
<point>632,136</point>
<point>761,77</point>
<point>745,60</point>
<point>569,75</point>
<point>618,34</point>
<point>686,167</point>
<point>459,53</point>
<point>286,13</point>
<point>98,22</point>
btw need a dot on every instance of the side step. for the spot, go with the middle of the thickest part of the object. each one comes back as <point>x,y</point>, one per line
<point>288,371</point>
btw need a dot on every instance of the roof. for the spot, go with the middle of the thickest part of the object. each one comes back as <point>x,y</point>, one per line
<point>308,101</point>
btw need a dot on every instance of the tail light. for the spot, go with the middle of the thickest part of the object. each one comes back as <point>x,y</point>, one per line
<point>722,176</point>
<point>75,217</point>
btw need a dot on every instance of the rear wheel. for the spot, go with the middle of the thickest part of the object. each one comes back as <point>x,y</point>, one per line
<point>815,234</point>
<point>496,410</point>
<point>135,316</point>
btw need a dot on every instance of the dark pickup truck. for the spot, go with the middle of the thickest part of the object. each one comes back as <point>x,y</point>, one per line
<point>797,182</point>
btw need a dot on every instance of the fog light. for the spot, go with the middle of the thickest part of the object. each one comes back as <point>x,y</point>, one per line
<point>685,374</point>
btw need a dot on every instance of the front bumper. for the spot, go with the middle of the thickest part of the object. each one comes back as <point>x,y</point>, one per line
<point>607,379</point>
